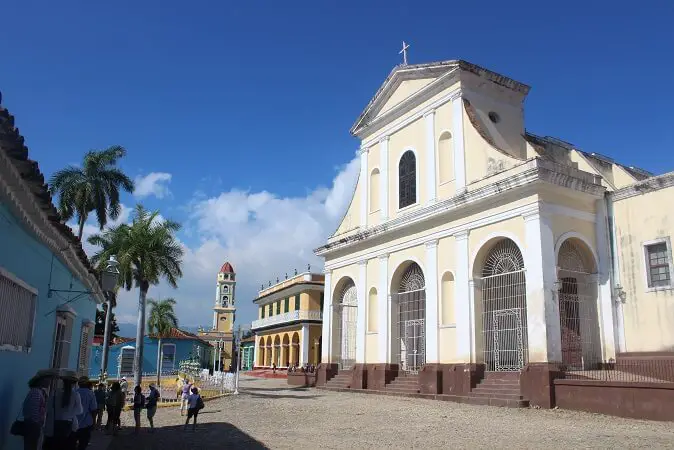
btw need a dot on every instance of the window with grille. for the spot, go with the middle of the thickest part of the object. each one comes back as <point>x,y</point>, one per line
<point>168,361</point>
<point>407,180</point>
<point>658,265</point>
<point>62,339</point>
<point>297,302</point>
<point>86,336</point>
<point>17,303</point>
<point>286,304</point>
<point>262,312</point>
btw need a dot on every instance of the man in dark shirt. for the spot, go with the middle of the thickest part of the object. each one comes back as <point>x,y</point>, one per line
<point>151,405</point>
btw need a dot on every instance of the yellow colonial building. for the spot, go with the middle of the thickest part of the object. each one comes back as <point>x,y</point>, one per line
<point>473,250</point>
<point>288,328</point>
<point>221,336</point>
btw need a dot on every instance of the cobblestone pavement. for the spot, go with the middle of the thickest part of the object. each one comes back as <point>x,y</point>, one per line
<point>269,414</point>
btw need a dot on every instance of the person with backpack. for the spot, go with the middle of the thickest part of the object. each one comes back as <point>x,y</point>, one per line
<point>138,405</point>
<point>151,405</point>
<point>195,404</point>
<point>186,389</point>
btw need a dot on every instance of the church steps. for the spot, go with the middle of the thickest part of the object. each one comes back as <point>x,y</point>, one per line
<point>340,381</point>
<point>498,389</point>
<point>404,384</point>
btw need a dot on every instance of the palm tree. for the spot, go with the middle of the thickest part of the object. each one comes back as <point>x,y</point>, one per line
<point>93,187</point>
<point>147,250</point>
<point>162,320</point>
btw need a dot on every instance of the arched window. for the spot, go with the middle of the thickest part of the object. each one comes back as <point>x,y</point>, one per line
<point>446,157</point>
<point>447,298</point>
<point>407,180</point>
<point>372,316</point>
<point>374,190</point>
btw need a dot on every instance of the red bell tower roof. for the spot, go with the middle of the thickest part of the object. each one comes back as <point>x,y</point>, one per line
<point>227,268</point>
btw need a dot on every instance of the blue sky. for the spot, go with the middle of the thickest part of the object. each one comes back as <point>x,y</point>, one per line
<point>236,114</point>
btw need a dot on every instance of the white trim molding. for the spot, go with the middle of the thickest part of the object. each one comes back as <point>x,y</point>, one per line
<point>383,310</point>
<point>431,183</point>
<point>383,178</point>
<point>432,303</point>
<point>458,143</point>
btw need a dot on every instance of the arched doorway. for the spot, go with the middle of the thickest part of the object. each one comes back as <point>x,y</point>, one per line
<point>578,312</point>
<point>261,358</point>
<point>268,352</point>
<point>277,351</point>
<point>503,306</point>
<point>346,316</point>
<point>295,358</point>
<point>409,324</point>
<point>285,352</point>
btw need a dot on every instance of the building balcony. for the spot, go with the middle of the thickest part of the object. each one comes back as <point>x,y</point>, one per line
<point>292,316</point>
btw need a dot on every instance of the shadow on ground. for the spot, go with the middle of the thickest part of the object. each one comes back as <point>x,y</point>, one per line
<point>207,436</point>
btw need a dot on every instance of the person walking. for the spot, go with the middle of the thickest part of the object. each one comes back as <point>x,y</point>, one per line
<point>100,405</point>
<point>114,405</point>
<point>124,385</point>
<point>138,405</point>
<point>151,405</point>
<point>195,404</point>
<point>34,409</point>
<point>186,389</point>
<point>63,407</point>
<point>85,420</point>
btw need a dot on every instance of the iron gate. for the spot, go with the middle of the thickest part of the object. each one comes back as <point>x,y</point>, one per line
<point>347,317</point>
<point>411,324</point>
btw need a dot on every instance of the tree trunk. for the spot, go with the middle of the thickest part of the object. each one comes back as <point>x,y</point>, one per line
<point>106,333</point>
<point>140,335</point>
<point>159,362</point>
<point>82,219</point>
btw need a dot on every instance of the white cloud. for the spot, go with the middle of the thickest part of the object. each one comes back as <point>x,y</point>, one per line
<point>261,234</point>
<point>154,183</point>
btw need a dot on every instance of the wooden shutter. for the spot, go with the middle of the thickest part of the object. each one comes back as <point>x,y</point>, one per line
<point>83,357</point>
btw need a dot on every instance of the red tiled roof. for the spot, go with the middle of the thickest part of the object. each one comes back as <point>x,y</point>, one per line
<point>177,333</point>
<point>227,268</point>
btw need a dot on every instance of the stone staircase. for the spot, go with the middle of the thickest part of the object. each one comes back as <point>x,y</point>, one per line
<point>404,384</point>
<point>498,389</point>
<point>340,381</point>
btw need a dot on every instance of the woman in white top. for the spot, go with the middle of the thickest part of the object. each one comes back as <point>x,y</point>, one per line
<point>62,410</point>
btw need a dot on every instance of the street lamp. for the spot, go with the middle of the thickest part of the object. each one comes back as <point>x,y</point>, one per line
<point>110,276</point>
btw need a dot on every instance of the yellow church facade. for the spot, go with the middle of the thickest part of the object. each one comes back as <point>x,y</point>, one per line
<point>288,328</point>
<point>473,247</point>
<point>221,335</point>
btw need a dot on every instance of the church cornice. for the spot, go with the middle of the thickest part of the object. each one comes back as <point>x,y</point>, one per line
<point>529,173</point>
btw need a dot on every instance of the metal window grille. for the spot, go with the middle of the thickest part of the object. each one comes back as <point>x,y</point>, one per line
<point>504,311</point>
<point>658,265</point>
<point>18,314</point>
<point>578,311</point>
<point>407,180</point>
<point>346,317</point>
<point>410,330</point>
<point>168,355</point>
<point>62,340</point>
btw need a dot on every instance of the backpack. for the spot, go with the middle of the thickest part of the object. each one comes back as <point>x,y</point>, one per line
<point>200,403</point>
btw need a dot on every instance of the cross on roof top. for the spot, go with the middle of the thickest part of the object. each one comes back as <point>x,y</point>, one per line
<point>404,52</point>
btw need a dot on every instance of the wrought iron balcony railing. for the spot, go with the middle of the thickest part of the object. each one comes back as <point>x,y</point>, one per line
<point>291,316</point>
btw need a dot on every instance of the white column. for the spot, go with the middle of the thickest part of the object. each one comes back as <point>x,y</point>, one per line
<point>383,178</point>
<point>365,190</point>
<point>304,342</point>
<point>326,338</point>
<point>457,138</point>
<point>429,118</point>
<point>361,289</point>
<point>462,298</point>
<point>473,285</point>
<point>257,343</point>
<point>383,328</point>
<point>543,328</point>
<point>431,276</point>
<point>604,289</point>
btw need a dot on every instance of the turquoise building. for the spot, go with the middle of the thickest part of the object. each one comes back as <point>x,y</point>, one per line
<point>48,289</point>
<point>247,349</point>
<point>180,345</point>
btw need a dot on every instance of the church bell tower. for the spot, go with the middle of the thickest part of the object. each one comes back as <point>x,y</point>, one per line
<point>224,311</point>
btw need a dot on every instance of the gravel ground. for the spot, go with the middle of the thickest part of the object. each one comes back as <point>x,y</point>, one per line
<point>269,414</point>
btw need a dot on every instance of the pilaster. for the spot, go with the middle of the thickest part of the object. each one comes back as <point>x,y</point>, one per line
<point>459,150</point>
<point>362,308</point>
<point>604,284</point>
<point>326,334</point>
<point>431,276</point>
<point>462,298</point>
<point>304,356</point>
<point>543,327</point>
<point>383,328</point>
<point>365,189</point>
<point>383,178</point>
<point>431,184</point>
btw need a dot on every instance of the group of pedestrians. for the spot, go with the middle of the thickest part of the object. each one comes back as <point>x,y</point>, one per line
<point>190,400</point>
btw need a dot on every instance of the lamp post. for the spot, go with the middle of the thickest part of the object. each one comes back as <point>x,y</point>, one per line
<point>238,362</point>
<point>109,279</point>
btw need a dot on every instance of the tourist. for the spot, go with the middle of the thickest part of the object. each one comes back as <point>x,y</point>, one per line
<point>179,387</point>
<point>85,419</point>
<point>114,405</point>
<point>186,388</point>
<point>138,405</point>
<point>124,385</point>
<point>273,368</point>
<point>151,405</point>
<point>63,407</point>
<point>195,404</point>
<point>100,405</point>
<point>35,409</point>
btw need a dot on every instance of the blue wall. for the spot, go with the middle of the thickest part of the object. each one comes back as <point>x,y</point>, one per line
<point>25,257</point>
<point>183,349</point>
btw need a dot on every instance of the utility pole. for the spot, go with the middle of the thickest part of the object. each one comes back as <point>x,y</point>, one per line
<point>106,333</point>
<point>238,358</point>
